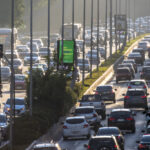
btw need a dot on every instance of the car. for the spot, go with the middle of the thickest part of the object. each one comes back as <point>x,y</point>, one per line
<point>90,115</point>
<point>22,52</point>
<point>123,119</point>
<point>106,92</point>
<point>138,83</point>
<point>144,45</point>
<point>43,52</point>
<point>115,131</point>
<point>47,146</point>
<point>96,101</point>
<point>105,142</point>
<point>86,63</point>
<point>43,65</point>
<point>132,61</point>
<point>148,118</point>
<point>39,42</point>
<point>76,126</point>
<point>5,73</point>
<point>35,47</point>
<point>146,63</point>
<point>4,125</point>
<point>20,106</point>
<point>137,57</point>
<point>123,74</point>
<point>139,50</point>
<point>135,98</point>
<point>20,83</point>
<point>35,58</point>
<point>144,142</point>
<point>102,51</point>
<point>130,66</point>
<point>145,73</point>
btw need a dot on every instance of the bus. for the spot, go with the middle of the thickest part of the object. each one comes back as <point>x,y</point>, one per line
<point>5,37</point>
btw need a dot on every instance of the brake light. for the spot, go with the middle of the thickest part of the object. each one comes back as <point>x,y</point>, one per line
<point>112,92</point>
<point>96,92</point>
<point>129,119</point>
<point>145,86</point>
<point>119,137</point>
<point>94,115</point>
<point>86,125</point>
<point>126,97</point>
<point>142,146</point>
<point>64,127</point>
<point>115,146</point>
<point>143,96</point>
<point>111,119</point>
<point>88,147</point>
<point>129,87</point>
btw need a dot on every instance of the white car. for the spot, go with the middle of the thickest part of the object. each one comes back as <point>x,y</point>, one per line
<point>76,127</point>
<point>35,46</point>
<point>20,106</point>
<point>39,42</point>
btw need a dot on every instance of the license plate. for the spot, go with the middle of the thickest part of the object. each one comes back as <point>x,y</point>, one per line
<point>75,132</point>
<point>19,87</point>
<point>120,120</point>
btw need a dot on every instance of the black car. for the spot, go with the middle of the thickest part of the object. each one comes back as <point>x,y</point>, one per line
<point>144,143</point>
<point>123,74</point>
<point>139,50</point>
<point>123,119</point>
<point>106,92</point>
<point>103,143</point>
<point>137,57</point>
<point>115,131</point>
<point>145,73</point>
<point>132,61</point>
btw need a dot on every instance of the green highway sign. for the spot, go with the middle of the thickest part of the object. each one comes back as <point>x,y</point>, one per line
<point>68,51</point>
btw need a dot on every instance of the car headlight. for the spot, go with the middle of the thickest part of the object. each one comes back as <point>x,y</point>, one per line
<point>8,109</point>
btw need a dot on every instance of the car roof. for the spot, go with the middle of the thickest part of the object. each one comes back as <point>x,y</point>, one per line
<point>137,89</point>
<point>120,109</point>
<point>122,68</point>
<point>102,136</point>
<point>135,80</point>
<point>84,107</point>
<point>44,145</point>
<point>105,85</point>
<point>146,66</point>
<point>105,128</point>
<point>75,117</point>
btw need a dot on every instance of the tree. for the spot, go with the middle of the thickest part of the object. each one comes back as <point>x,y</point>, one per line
<point>5,13</point>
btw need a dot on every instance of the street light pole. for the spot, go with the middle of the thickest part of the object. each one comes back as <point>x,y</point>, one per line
<point>62,34</point>
<point>116,37</point>
<point>129,17</point>
<point>48,35</point>
<point>91,61</point>
<point>98,35</point>
<point>83,56</point>
<point>110,28</point>
<point>134,19</point>
<point>31,53</point>
<point>12,76</point>
<point>106,30</point>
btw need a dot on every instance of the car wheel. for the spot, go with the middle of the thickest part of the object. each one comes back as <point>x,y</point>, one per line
<point>65,138</point>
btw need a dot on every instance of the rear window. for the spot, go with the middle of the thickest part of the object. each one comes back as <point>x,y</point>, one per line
<point>146,139</point>
<point>146,70</point>
<point>122,71</point>
<point>74,121</point>
<point>84,111</point>
<point>135,93</point>
<point>107,132</point>
<point>104,88</point>
<point>120,113</point>
<point>137,83</point>
<point>91,98</point>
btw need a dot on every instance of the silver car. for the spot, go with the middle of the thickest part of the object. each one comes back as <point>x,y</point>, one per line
<point>138,84</point>
<point>76,127</point>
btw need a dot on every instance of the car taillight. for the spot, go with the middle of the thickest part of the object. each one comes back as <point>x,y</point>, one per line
<point>96,92</point>
<point>88,147</point>
<point>94,115</point>
<point>119,137</point>
<point>129,87</point>
<point>144,86</point>
<point>112,92</point>
<point>143,96</point>
<point>65,127</point>
<point>126,97</point>
<point>142,146</point>
<point>129,119</point>
<point>86,125</point>
<point>115,146</point>
<point>111,119</point>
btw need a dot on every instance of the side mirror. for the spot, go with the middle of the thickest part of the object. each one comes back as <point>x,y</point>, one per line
<point>115,89</point>
<point>123,94</point>
<point>85,145</point>
<point>72,113</point>
<point>107,115</point>
<point>137,141</point>
<point>143,131</point>
<point>62,123</point>
<point>147,94</point>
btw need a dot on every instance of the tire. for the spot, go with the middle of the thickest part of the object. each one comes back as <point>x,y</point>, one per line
<point>65,138</point>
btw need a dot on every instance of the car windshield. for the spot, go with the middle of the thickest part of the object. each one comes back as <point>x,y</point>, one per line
<point>17,62</point>
<point>5,70</point>
<point>146,70</point>
<point>17,102</point>
<point>107,131</point>
<point>20,78</point>
<point>122,71</point>
<point>145,139</point>
<point>91,98</point>
<point>84,111</point>
<point>3,119</point>
<point>135,93</point>
<point>75,121</point>
<point>43,49</point>
<point>120,113</point>
<point>104,88</point>
<point>33,54</point>
<point>137,83</point>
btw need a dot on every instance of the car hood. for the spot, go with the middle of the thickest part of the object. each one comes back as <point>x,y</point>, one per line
<point>17,107</point>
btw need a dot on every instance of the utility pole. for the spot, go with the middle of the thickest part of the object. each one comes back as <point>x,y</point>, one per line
<point>48,35</point>
<point>12,75</point>
<point>126,12</point>
<point>98,58</point>
<point>91,60</point>
<point>106,30</point>
<point>62,34</point>
<point>110,28</point>
<point>119,30</point>
<point>83,56</point>
<point>31,53</point>
<point>134,19</point>
<point>116,37</point>
<point>129,17</point>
